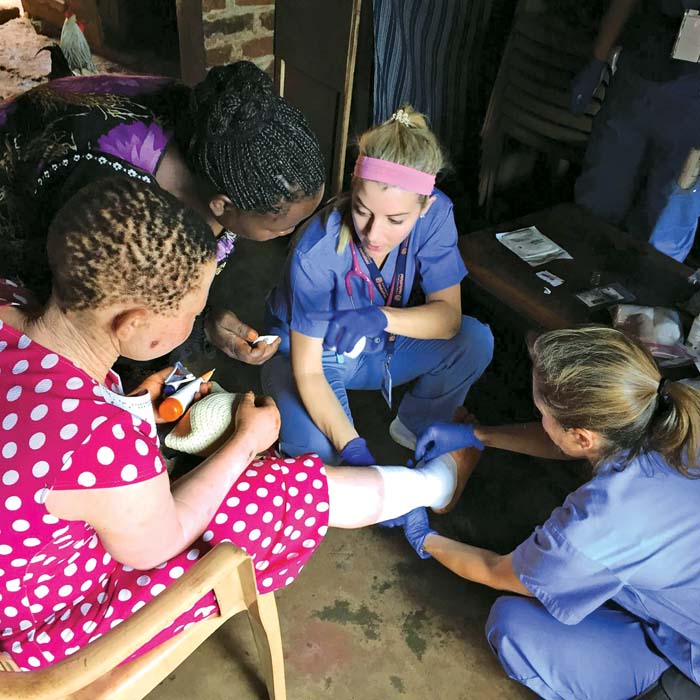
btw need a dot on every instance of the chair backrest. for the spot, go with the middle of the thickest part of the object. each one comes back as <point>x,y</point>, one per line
<point>530,99</point>
<point>544,56</point>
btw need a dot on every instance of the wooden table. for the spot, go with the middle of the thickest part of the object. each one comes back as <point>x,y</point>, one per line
<point>654,278</point>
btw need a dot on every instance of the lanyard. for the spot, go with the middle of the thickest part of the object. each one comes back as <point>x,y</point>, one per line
<point>393,295</point>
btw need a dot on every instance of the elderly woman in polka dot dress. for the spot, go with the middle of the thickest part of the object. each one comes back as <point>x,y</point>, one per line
<point>90,527</point>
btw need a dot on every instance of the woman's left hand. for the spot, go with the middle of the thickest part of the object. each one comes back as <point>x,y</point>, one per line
<point>154,386</point>
<point>347,327</point>
<point>356,454</point>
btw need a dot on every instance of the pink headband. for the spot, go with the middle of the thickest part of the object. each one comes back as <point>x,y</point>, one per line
<point>394,174</point>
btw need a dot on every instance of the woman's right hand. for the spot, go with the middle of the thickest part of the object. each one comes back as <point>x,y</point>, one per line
<point>228,333</point>
<point>258,419</point>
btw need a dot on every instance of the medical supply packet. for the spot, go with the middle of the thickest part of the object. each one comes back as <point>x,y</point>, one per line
<point>532,246</point>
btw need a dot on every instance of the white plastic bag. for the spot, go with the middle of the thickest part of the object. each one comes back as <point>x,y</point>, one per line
<point>658,328</point>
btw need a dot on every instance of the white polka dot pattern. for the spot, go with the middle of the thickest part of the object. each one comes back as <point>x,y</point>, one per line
<point>59,588</point>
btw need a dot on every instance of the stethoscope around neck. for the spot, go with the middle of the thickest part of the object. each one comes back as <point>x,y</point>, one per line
<point>356,271</point>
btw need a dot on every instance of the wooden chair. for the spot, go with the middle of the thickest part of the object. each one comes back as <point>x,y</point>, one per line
<point>93,673</point>
<point>530,99</point>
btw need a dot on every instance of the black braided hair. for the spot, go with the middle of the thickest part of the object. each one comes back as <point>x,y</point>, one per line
<point>120,239</point>
<point>251,144</point>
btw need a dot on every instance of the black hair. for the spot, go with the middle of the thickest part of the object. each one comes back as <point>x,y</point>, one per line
<point>250,144</point>
<point>120,239</point>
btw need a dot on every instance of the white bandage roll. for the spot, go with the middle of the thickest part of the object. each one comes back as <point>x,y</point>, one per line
<point>359,347</point>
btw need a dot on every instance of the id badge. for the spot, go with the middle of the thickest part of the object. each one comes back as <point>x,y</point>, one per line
<point>386,383</point>
<point>687,46</point>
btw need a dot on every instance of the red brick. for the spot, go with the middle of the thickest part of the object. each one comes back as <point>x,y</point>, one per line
<point>256,48</point>
<point>229,25</point>
<point>209,5</point>
<point>219,55</point>
<point>267,19</point>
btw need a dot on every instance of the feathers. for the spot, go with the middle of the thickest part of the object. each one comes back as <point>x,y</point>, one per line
<point>75,48</point>
<point>59,64</point>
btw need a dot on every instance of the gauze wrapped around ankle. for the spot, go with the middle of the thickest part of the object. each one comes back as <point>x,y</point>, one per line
<point>431,485</point>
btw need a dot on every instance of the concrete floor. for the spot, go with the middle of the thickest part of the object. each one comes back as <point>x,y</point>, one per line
<point>367,618</point>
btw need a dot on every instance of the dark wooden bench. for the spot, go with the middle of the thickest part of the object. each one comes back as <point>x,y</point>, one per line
<point>596,247</point>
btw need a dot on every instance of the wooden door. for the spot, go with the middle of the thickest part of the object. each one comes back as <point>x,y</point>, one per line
<point>190,32</point>
<point>315,48</point>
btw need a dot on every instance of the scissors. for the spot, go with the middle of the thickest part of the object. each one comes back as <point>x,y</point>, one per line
<point>356,271</point>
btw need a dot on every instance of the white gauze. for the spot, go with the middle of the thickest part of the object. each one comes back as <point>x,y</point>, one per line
<point>431,485</point>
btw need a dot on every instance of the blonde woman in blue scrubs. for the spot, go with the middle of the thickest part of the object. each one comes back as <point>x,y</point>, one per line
<point>609,584</point>
<point>342,307</point>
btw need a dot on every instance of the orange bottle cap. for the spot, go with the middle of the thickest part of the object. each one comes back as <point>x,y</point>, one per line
<point>171,409</point>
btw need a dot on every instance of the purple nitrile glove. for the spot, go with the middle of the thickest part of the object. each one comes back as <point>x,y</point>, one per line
<point>357,454</point>
<point>439,438</point>
<point>584,84</point>
<point>347,327</point>
<point>416,527</point>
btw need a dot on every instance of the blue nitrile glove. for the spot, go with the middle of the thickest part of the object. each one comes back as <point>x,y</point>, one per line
<point>416,527</point>
<point>585,84</point>
<point>347,327</point>
<point>357,454</point>
<point>439,438</point>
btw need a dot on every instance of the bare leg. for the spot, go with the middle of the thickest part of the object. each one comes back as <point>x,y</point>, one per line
<point>355,495</point>
<point>358,496</point>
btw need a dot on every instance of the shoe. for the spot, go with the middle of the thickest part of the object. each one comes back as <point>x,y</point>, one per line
<point>401,435</point>
<point>673,685</point>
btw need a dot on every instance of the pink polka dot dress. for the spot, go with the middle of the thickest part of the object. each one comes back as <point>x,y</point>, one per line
<point>59,588</point>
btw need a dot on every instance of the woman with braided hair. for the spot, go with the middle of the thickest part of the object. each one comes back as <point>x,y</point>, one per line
<point>229,148</point>
<point>611,580</point>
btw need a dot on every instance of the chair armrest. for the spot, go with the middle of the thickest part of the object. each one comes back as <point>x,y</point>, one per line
<point>61,679</point>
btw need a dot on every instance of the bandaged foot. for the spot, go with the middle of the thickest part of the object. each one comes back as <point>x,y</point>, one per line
<point>206,426</point>
<point>432,484</point>
<point>464,460</point>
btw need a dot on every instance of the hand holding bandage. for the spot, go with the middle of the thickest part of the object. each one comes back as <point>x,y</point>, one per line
<point>346,328</point>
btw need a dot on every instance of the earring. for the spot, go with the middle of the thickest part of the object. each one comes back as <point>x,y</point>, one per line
<point>422,216</point>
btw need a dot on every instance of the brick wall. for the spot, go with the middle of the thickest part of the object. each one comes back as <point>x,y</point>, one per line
<point>236,29</point>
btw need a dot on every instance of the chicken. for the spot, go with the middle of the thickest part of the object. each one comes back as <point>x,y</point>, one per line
<point>75,47</point>
<point>59,64</point>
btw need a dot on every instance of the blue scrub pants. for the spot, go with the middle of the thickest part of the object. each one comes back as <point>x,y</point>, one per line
<point>606,656</point>
<point>641,138</point>
<point>444,369</point>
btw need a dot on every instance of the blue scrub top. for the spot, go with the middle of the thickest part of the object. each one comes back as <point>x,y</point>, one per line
<point>314,275</point>
<point>631,536</point>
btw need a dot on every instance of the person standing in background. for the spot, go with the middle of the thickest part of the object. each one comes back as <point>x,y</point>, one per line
<point>646,127</point>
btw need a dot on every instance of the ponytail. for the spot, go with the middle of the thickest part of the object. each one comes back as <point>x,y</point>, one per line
<point>599,379</point>
<point>674,429</point>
